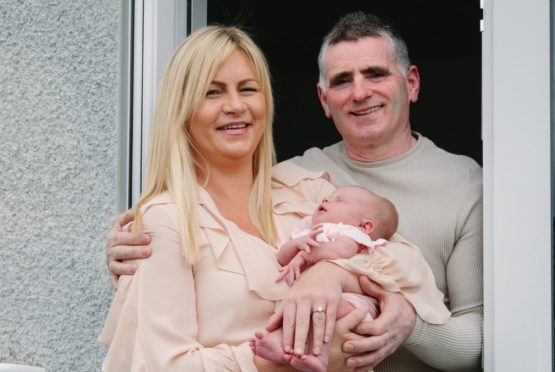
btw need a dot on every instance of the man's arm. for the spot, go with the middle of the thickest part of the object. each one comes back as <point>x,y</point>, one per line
<point>122,246</point>
<point>457,344</point>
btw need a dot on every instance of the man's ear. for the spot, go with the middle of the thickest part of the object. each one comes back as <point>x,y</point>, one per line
<point>323,100</point>
<point>413,83</point>
<point>367,226</point>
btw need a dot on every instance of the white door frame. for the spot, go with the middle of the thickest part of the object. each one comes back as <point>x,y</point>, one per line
<point>516,133</point>
<point>160,26</point>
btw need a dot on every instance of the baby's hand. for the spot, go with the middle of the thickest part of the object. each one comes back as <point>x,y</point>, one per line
<point>286,273</point>
<point>316,230</point>
<point>292,271</point>
<point>306,243</point>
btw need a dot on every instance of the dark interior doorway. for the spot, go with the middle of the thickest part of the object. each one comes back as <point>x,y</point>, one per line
<point>444,41</point>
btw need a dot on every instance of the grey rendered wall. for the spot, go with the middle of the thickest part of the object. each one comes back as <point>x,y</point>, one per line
<point>58,166</point>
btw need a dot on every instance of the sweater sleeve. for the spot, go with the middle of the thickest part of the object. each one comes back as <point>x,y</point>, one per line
<point>457,345</point>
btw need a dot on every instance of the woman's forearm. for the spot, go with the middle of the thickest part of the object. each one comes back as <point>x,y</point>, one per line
<point>347,280</point>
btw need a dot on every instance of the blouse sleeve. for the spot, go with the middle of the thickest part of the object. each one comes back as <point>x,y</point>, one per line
<point>399,266</point>
<point>152,324</point>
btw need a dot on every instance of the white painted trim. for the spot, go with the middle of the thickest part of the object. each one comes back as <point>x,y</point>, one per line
<point>160,26</point>
<point>487,156</point>
<point>517,186</point>
<point>136,150</point>
<point>123,182</point>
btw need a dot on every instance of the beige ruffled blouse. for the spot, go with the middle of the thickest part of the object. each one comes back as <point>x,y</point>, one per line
<point>171,316</point>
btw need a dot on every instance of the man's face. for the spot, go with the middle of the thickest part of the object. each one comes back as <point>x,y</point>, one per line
<point>365,92</point>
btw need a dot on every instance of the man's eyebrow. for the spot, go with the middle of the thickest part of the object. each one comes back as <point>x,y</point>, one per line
<point>376,70</point>
<point>340,77</point>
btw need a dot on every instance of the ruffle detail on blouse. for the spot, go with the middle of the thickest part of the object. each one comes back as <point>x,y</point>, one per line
<point>287,189</point>
<point>233,253</point>
<point>290,174</point>
<point>400,267</point>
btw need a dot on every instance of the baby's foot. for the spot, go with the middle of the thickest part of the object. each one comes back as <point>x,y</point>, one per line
<point>269,346</point>
<point>310,363</point>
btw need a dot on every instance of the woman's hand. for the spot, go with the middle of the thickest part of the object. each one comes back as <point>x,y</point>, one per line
<point>379,338</point>
<point>312,301</point>
<point>122,246</point>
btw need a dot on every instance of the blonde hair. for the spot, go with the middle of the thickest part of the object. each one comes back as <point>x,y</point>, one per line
<point>171,165</point>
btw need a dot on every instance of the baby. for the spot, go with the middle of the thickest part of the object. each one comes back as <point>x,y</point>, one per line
<point>351,220</point>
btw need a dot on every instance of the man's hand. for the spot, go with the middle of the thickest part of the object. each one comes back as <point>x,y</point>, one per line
<point>122,246</point>
<point>343,332</point>
<point>387,332</point>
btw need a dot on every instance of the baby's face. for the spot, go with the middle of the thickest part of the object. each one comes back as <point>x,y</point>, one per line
<point>346,205</point>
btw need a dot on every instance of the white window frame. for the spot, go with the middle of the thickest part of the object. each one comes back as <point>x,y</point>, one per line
<point>516,134</point>
<point>159,27</point>
<point>125,73</point>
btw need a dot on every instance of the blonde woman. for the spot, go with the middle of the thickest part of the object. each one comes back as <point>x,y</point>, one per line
<point>215,209</point>
<point>207,205</point>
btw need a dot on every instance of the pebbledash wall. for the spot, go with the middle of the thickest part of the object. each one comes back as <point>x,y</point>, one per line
<point>58,166</point>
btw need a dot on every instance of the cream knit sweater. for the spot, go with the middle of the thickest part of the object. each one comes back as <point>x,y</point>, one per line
<point>439,199</point>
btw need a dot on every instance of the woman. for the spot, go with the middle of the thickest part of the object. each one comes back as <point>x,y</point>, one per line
<point>207,204</point>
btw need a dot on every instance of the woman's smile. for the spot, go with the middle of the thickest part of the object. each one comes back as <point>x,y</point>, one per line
<point>234,128</point>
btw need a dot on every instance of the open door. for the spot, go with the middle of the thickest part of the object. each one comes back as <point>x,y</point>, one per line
<point>444,41</point>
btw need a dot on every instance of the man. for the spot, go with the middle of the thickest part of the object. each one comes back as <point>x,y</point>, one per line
<point>366,87</point>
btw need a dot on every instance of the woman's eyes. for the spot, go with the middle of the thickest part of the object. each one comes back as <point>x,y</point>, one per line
<point>244,90</point>
<point>213,92</point>
<point>249,89</point>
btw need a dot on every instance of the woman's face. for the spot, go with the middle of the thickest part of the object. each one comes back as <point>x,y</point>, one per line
<point>232,117</point>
